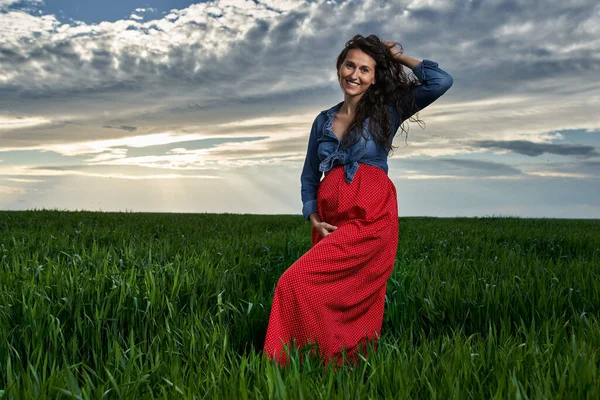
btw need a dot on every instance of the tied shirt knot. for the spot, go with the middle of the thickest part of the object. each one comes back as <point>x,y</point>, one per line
<point>350,165</point>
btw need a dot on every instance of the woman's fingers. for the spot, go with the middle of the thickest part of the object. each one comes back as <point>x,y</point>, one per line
<point>330,227</point>
<point>325,229</point>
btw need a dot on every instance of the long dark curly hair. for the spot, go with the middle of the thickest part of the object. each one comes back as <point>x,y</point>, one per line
<point>392,86</point>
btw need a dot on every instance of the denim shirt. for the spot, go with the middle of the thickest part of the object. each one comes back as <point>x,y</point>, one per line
<point>324,150</point>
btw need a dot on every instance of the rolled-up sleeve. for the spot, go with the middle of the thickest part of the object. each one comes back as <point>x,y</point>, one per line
<point>311,176</point>
<point>434,83</point>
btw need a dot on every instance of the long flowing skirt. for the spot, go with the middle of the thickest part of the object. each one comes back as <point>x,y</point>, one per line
<point>334,294</point>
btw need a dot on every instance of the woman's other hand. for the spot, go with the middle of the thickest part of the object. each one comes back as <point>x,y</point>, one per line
<point>395,48</point>
<point>323,228</point>
<point>397,51</point>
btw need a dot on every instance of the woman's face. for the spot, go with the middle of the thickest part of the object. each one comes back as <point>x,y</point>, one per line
<point>357,73</point>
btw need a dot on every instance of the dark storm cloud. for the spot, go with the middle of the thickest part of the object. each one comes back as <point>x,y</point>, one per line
<point>535,149</point>
<point>286,31</point>
<point>498,46</point>
<point>476,167</point>
<point>453,167</point>
<point>11,57</point>
<point>122,127</point>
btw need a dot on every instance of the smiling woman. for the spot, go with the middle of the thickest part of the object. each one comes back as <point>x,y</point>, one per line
<point>333,296</point>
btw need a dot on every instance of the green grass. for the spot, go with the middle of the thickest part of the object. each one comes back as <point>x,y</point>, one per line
<point>123,305</point>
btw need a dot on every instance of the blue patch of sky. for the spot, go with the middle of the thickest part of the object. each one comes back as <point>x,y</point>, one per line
<point>93,12</point>
<point>38,157</point>
<point>579,136</point>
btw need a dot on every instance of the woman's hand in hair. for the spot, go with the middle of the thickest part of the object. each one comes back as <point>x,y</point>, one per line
<point>397,52</point>
<point>395,48</point>
<point>323,228</point>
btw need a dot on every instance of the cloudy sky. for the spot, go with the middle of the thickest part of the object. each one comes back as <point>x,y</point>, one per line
<point>180,106</point>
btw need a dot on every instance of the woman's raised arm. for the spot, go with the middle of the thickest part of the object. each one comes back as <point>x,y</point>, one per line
<point>434,80</point>
<point>434,83</point>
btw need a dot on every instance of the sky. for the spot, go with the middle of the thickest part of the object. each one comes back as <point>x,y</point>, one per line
<point>180,106</point>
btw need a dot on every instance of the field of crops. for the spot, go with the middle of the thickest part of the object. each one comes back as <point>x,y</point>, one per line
<point>124,305</point>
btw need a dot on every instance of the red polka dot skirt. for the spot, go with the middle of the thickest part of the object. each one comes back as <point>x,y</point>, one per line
<point>334,294</point>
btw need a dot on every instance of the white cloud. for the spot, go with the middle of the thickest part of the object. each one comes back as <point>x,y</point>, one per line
<point>21,180</point>
<point>143,10</point>
<point>282,5</point>
<point>24,32</point>
<point>556,174</point>
<point>438,5</point>
<point>7,122</point>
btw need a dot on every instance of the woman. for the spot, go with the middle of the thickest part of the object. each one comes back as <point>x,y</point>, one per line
<point>334,294</point>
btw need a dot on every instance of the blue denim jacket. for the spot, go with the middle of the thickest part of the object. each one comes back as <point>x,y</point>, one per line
<point>324,151</point>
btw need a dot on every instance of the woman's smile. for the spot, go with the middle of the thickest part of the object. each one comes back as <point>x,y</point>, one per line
<point>352,85</point>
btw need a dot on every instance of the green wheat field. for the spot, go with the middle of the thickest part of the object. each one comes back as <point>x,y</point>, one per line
<point>127,305</point>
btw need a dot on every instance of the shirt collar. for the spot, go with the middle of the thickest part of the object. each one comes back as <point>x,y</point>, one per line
<point>331,112</point>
